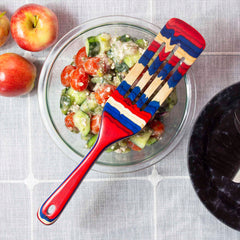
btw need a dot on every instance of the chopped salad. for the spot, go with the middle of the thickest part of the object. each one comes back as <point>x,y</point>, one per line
<point>96,71</point>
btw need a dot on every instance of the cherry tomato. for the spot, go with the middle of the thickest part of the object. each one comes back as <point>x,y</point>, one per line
<point>158,128</point>
<point>92,66</point>
<point>66,75</point>
<point>133,146</point>
<point>69,121</point>
<point>79,79</point>
<point>95,123</point>
<point>104,92</point>
<point>81,57</point>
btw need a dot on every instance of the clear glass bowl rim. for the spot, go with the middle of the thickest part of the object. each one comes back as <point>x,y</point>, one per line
<point>42,85</point>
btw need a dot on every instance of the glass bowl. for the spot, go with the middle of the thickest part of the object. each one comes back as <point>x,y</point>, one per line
<point>49,91</point>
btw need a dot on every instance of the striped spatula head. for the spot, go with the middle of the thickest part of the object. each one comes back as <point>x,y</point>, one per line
<point>181,44</point>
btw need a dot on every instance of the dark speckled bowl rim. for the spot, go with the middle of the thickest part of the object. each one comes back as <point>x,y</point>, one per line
<point>212,197</point>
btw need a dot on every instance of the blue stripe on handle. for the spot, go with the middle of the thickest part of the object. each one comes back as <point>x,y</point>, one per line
<point>152,107</point>
<point>121,118</point>
<point>142,100</point>
<point>165,71</point>
<point>134,93</point>
<point>146,57</point>
<point>185,44</point>
<point>174,79</point>
<point>123,88</point>
<point>155,66</point>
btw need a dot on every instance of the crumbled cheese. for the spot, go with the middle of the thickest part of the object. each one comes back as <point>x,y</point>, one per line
<point>108,89</point>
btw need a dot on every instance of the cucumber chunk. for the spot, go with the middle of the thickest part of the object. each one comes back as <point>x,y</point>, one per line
<point>98,110</point>
<point>65,103</point>
<point>89,105</point>
<point>92,141</point>
<point>104,41</point>
<point>140,139</point>
<point>121,67</point>
<point>142,43</point>
<point>97,79</point>
<point>131,60</point>
<point>77,97</point>
<point>151,141</point>
<point>82,122</point>
<point>124,38</point>
<point>92,46</point>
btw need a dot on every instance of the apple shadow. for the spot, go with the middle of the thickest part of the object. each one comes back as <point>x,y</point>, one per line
<point>65,19</point>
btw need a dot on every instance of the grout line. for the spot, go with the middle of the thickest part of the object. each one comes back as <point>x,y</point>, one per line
<point>151,10</point>
<point>176,177</point>
<point>155,207</point>
<point>30,165</point>
<point>155,211</point>
<point>95,179</point>
<point>11,181</point>
<point>114,179</point>
<point>221,54</point>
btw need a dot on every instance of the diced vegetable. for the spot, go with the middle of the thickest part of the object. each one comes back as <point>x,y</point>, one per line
<point>65,103</point>
<point>70,123</point>
<point>131,60</point>
<point>104,40</point>
<point>92,141</point>
<point>151,140</point>
<point>89,104</point>
<point>77,97</point>
<point>98,110</point>
<point>92,66</point>
<point>66,75</point>
<point>133,146</point>
<point>124,38</point>
<point>121,67</point>
<point>97,79</point>
<point>79,79</point>
<point>140,139</point>
<point>81,57</point>
<point>142,43</point>
<point>157,127</point>
<point>95,123</point>
<point>92,46</point>
<point>103,93</point>
<point>82,122</point>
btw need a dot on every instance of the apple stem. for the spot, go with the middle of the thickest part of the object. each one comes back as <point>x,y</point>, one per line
<point>36,18</point>
<point>2,14</point>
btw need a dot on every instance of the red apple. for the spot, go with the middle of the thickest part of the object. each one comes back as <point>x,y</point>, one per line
<point>4,28</point>
<point>17,75</point>
<point>34,27</point>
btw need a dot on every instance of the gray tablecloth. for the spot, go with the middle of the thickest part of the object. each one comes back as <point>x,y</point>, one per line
<point>158,203</point>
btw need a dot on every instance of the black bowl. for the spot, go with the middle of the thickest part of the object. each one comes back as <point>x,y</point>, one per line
<point>218,193</point>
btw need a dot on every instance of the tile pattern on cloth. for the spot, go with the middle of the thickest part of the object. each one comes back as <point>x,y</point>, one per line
<point>182,216</point>
<point>15,214</point>
<point>102,211</point>
<point>14,145</point>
